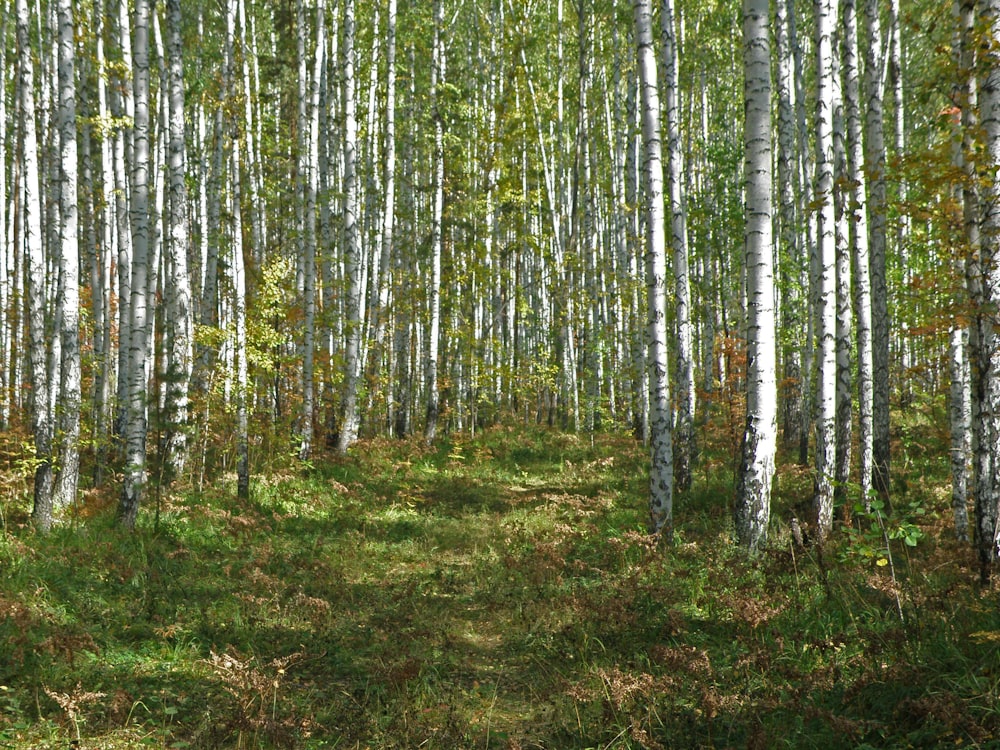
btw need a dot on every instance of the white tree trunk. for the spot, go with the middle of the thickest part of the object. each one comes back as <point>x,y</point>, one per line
<point>122,107</point>
<point>844,329</point>
<point>792,294</point>
<point>238,279</point>
<point>380,314</point>
<point>684,436</point>
<point>35,287</point>
<point>69,265</point>
<point>349,418</point>
<point>307,243</point>
<point>178,286</point>
<point>858,228</point>
<point>987,364</point>
<point>753,491</point>
<point>437,211</point>
<point>661,473</point>
<point>135,433</point>
<point>826,293</point>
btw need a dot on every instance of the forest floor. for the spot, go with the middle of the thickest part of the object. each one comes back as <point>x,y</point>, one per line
<point>495,592</point>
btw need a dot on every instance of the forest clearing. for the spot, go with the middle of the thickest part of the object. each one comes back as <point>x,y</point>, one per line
<point>496,592</point>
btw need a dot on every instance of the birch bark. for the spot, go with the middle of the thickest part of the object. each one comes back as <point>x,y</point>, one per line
<point>753,490</point>
<point>69,266</point>
<point>307,244</point>
<point>352,247</point>
<point>986,391</point>
<point>826,294</point>
<point>35,287</point>
<point>135,434</point>
<point>661,475</point>
<point>437,210</point>
<point>684,436</point>
<point>858,238</point>
<point>178,286</point>
<point>875,164</point>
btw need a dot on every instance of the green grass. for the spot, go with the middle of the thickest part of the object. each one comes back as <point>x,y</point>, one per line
<point>496,592</point>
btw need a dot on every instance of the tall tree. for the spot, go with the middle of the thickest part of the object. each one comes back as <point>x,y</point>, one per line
<point>960,406</point>
<point>825,273</point>
<point>437,214</point>
<point>136,426</point>
<point>178,287</point>
<point>352,247</point>
<point>69,265</point>
<point>858,228</point>
<point>875,168</point>
<point>753,491</point>
<point>31,229</point>
<point>789,245</point>
<point>307,240</point>
<point>380,313</point>
<point>661,472</point>
<point>984,280</point>
<point>237,269</point>
<point>684,436</point>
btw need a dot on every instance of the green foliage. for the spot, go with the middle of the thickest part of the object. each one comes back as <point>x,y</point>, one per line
<point>488,592</point>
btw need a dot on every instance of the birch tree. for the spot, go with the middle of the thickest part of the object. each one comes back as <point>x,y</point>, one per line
<point>826,292</point>
<point>875,169</point>
<point>236,266</point>
<point>661,473</point>
<point>352,250</point>
<point>684,421</point>
<point>136,426</point>
<point>178,286</point>
<point>437,211</point>
<point>753,490</point>
<point>985,288</point>
<point>307,242</point>
<point>858,238</point>
<point>32,241</point>
<point>69,264</point>
<point>961,349</point>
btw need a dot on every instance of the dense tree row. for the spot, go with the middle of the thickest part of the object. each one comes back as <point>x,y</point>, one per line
<point>231,233</point>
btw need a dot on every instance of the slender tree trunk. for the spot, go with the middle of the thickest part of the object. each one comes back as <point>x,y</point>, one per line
<point>753,490</point>
<point>35,287</point>
<point>307,244</point>
<point>661,476</point>
<point>844,328</point>
<point>178,288</point>
<point>960,396</point>
<point>437,211</point>
<point>237,269</point>
<point>349,419</point>
<point>791,250</point>
<point>986,296</point>
<point>135,450</point>
<point>858,228</point>
<point>380,314</point>
<point>122,107</point>
<point>101,267</point>
<point>875,168</point>
<point>684,436</point>
<point>69,266</point>
<point>826,295</point>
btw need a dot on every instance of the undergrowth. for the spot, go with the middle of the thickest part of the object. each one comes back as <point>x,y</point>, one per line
<point>496,592</point>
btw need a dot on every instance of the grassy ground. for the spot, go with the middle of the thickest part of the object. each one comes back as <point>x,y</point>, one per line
<point>494,593</point>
